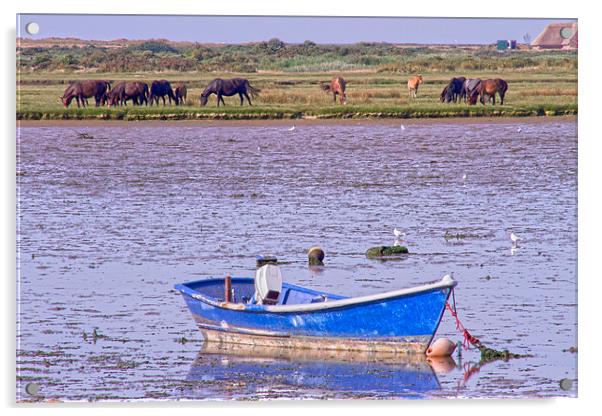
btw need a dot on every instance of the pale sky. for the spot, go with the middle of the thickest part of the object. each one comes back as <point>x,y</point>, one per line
<point>241,29</point>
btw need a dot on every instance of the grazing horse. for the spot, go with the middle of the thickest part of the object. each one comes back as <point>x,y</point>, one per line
<point>159,89</point>
<point>413,84</point>
<point>337,87</point>
<point>227,88</point>
<point>453,90</point>
<point>471,89</point>
<point>136,91</point>
<point>180,93</point>
<point>85,89</point>
<point>489,87</point>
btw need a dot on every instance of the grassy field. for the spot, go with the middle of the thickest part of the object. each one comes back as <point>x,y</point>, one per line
<point>289,76</point>
<point>370,94</point>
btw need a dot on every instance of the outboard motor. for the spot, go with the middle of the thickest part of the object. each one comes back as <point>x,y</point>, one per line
<point>268,285</point>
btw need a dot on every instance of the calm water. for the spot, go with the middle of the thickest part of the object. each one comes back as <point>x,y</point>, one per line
<point>108,224</point>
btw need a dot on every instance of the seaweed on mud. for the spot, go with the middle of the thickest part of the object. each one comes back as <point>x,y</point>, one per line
<point>489,355</point>
<point>84,136</point>
<point>385,251</point>
<point>459,236</point>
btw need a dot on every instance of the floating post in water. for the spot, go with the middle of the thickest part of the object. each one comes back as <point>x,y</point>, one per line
<point>315,256</point>
<point>263,260</point>
<point>228,289</point>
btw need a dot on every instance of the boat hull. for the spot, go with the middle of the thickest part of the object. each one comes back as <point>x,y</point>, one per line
<point>405,345</point>
<point>396,322</point>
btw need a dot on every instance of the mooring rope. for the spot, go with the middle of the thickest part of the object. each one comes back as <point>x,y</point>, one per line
<point>468,338</point>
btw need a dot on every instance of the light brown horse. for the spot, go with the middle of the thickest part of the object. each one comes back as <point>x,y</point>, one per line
<point>413,84</point>
<point>337,87</point>
<point>489,87</point>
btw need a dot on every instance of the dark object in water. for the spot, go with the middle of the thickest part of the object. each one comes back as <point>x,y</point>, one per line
<point>385,251</point>
<point>315,256</point>
<point>263,260</point>
<point>489,354</point>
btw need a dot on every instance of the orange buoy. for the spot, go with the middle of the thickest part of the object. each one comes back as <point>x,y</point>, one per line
<point>442,347</point>
<point>442,365</point>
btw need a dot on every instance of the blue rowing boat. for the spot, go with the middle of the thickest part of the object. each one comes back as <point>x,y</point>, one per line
<point>241,310</point>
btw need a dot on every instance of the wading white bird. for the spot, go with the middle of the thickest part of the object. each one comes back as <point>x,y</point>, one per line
<point>398,233</point>
<point>403,127</point>
<point>292,128</point>
<point>514,237</point>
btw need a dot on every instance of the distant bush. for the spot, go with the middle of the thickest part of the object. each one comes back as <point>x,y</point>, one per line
<point>275,55</point>
<point>153,46</point>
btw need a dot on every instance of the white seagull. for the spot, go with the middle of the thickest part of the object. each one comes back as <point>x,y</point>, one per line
<point>464,177</point>
<point>514,237</point>
<point>448,276</point>
<point>402,127</point>
<point>398,233</point>
<point>518,130</point>
<point>292,128</point>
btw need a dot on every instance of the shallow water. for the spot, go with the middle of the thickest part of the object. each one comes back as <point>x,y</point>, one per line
<point>109,223</point>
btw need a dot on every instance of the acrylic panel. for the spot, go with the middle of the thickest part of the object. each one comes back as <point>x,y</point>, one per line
<point>259,208</point>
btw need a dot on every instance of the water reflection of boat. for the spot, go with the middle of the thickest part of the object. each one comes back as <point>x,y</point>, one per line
<point>363,373</point>
<point>404,320</point>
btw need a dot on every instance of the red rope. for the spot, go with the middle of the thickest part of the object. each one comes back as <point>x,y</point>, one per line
<point>468,338</point>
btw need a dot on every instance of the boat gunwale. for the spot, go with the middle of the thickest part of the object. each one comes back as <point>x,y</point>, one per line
<point>444,283</point>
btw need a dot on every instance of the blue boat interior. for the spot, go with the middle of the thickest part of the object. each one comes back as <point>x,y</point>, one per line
<point>243,290</point>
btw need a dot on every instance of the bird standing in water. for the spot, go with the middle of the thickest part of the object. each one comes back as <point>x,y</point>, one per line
<point>398,233</point>
<point>514,238</point>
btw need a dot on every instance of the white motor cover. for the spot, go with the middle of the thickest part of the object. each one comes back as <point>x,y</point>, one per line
<point>268,284</point>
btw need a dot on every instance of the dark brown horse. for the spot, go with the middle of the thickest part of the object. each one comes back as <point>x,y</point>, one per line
<point>489,87</point>
<point>137,91</point>
<point>180,93</point>
<point>82,90</point>
<point>337,87</point>
<point>454,91</point>
<point>160,89</point>
<point>227,88</point>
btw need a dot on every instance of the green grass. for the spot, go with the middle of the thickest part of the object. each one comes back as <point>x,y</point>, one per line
<point>370,94</point>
